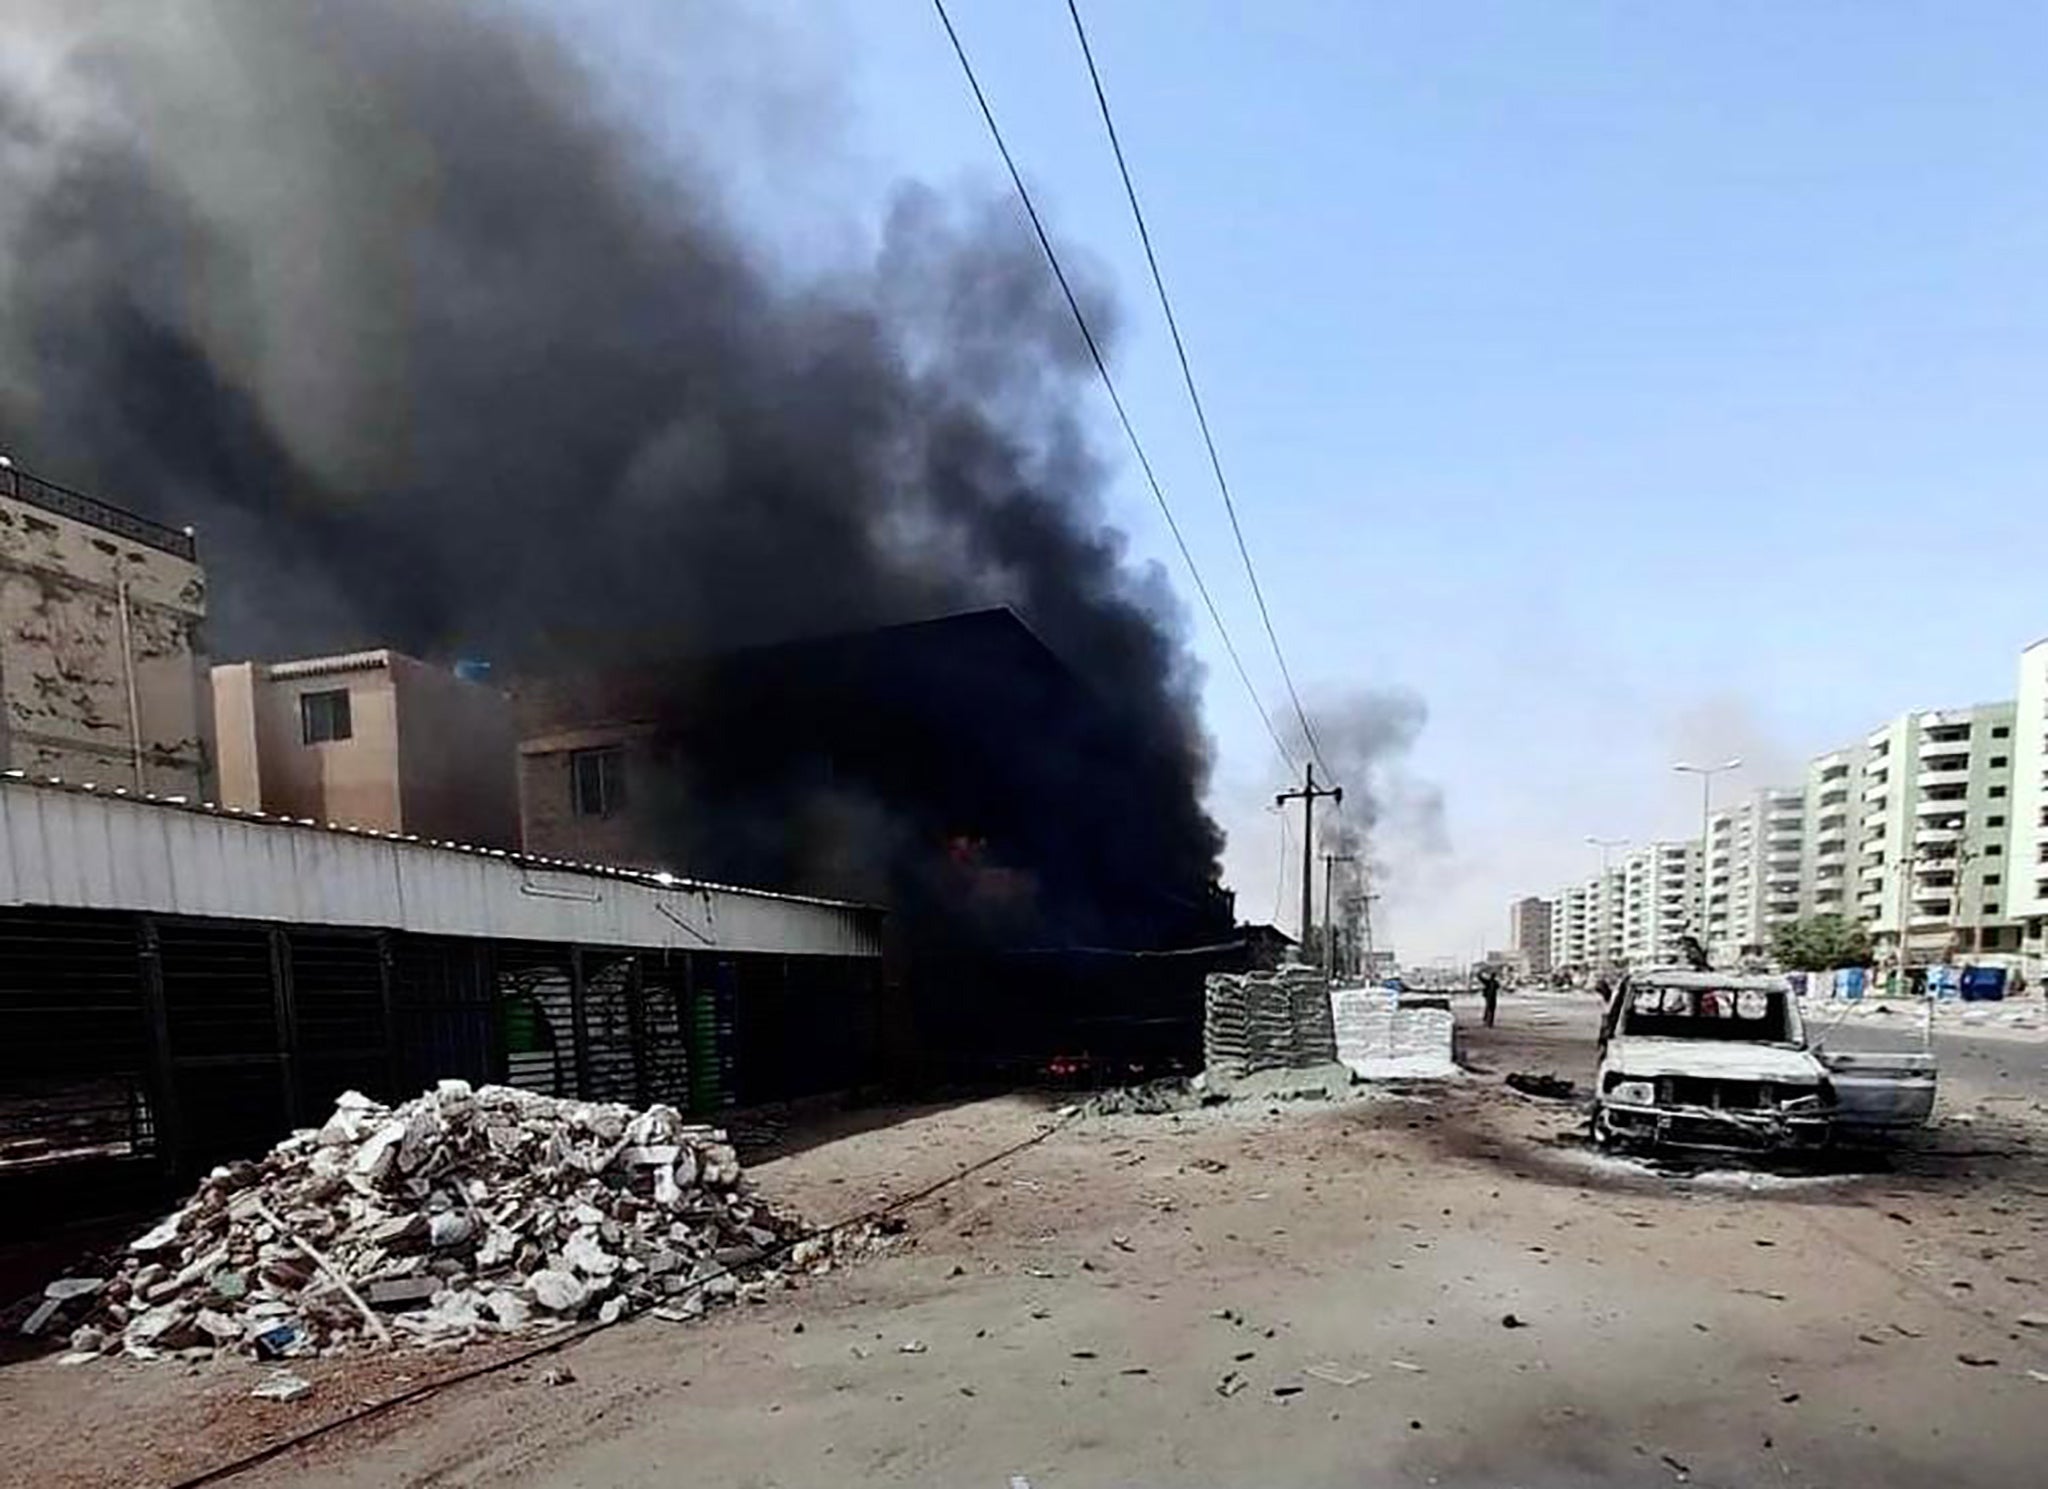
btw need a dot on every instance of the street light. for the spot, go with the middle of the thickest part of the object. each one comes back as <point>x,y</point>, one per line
<point>1706,773</point>
<point>1606,847</point>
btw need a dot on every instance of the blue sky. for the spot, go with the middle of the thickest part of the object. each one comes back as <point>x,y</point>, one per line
<point>1627,380</point>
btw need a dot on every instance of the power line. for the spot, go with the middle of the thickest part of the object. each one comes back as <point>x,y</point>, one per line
<point>1052,258</point>
<point>1188,376</point>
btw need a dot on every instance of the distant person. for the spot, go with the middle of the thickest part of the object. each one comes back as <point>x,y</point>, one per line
<point>1489,989</point>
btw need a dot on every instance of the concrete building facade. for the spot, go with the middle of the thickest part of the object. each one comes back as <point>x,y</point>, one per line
<point>1660,898</point>
<point>1756,870</point>
<point>369,739</point>
<point>102,657</point>
<point>2026,872</point>
<point>1834,832</point>
<point>1529,935</point>
<point>1937,821</point>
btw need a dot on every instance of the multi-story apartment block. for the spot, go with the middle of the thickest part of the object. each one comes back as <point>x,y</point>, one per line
<point>1933,829</point>
<point>1937,820</point>
<point>2026,854</point>
<point>1661,898</point>
<point>1834,834</point>
<point>1756,867</point>
<point>1529,935</point>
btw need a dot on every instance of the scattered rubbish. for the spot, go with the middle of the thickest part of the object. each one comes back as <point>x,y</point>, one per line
<point>1135,1370</point>
<point>2038,1375</point>
<point>1552,1087</point>
<point>1509,1321</point>
<point>1041,1274</point>
<point>1331,1373</point>
<point>1122,1243</point>
<point>1228,1315</point>
<point>1285,1391</point>
<point>1231,1383</point>
<point>1082,1354</point>
<point>911,1347</point>
<point>1789,1397</point>
<point>1906,1332</point>
<point>1018,1481</point>
<point>1408,1365</point>
<point>282,1385</point>
<point>1208,1165</point>
<point>1980,1362</point>
<point>2032,1320</point>
<point>1761,1292</point>
<point>460,1215</point>
<point>558,1375</point>
<point>1681,1471</point>
<point>1245,1354</point>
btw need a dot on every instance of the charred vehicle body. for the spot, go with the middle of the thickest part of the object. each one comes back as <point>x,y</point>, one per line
<point>1718,1061</point>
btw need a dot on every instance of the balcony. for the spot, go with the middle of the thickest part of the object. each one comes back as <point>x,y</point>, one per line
<point>1950,803</point>
<point>1831,850</point>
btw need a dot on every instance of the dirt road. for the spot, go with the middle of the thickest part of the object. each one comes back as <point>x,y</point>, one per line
<point>1440,1287</point>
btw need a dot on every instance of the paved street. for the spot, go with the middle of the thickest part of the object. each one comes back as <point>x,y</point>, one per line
<point>1442,1287</point>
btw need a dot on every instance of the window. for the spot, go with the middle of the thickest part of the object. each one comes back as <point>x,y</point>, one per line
<point>597,782</point>
<point>324,717</point>
<point>2000,731</point>
<point>1992,850</point>
<point>1997,791</point>
<point>1994,821</point>
<point>1991,879</point>
<point>1999,762</point>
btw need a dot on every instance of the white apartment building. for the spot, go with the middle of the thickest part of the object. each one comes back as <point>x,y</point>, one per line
<point>1661,900</point>
<point>1834,833</point>
<point>1756,872</point>
<point>2026,872</point>
<point>1937,819</point>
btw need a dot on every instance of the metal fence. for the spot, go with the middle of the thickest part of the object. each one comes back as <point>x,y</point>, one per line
<point>137,1050</point>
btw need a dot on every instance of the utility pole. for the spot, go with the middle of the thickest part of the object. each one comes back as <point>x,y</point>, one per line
<point>1307,797</point>
<point>1330,862</point>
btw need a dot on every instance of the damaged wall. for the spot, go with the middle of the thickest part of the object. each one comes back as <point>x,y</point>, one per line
<point>68,666</point>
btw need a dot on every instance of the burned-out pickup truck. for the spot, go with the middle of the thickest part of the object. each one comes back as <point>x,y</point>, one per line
<point>1715,1060</point>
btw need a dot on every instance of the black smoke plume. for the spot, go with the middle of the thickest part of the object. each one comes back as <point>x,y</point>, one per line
<point>436,353</point>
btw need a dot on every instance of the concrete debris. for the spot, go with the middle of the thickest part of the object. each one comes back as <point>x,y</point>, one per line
<point>1536,1083</point>
<point>282,1385</point>
<point>1266,1021</point>
<point>458,1216</point>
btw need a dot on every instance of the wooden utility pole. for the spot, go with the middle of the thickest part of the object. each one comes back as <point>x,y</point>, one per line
<point>1307,797</point>
<point>1330,862</point>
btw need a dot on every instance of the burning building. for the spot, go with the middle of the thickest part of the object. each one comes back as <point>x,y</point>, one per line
<point>449,346</point>
<point>957,771</point>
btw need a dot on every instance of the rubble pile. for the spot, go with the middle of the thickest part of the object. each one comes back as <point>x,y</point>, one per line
<point>1266,1020</point>
<point>459,1215</point>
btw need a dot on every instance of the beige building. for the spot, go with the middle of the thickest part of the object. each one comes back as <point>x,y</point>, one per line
<point>102,661</point>
<point>1529,935</point>
<point>369,739</point>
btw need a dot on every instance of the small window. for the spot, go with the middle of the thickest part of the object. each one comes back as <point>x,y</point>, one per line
<point>1992,850</point>
<point>1997,791</point>
<point>2000,731</point>
<point>1991,879</point>
<point>597,782</point>
<point>1994,821</point>
<point>324,717</point>
<point>1999,762</point>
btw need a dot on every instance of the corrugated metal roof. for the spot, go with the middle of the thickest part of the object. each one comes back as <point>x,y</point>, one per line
<point>74,844</point>
<point>348,661</point>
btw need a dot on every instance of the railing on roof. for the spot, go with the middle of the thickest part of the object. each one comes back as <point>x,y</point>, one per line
<point>90,510</point>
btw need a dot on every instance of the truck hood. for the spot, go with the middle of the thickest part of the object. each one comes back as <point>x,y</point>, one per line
<point>1712,1058</point>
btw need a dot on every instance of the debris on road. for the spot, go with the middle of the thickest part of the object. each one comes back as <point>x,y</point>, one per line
<point>1331,1373</point>
<point>459,1215</point>
<point>1553,1087</point>
<point>282,1385</point>
<point>1979,1362</point>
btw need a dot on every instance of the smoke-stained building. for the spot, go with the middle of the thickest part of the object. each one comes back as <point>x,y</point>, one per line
<point>957,771</point>
<point>369,739</point>
<point>102,666</point>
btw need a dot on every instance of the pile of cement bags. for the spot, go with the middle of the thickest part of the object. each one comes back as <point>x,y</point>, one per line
<point>1266,1021</point>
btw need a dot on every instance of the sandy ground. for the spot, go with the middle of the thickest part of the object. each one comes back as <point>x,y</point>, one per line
<point>1077,1309</point>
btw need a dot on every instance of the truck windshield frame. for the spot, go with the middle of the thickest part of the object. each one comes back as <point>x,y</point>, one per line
<point>1732,1015</point>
